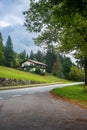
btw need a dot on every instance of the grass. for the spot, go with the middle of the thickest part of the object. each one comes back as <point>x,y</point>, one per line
<point>16,74</point>
<point>73,93</point>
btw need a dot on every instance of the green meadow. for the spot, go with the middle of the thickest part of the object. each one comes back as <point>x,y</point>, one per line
<point>17,74</point>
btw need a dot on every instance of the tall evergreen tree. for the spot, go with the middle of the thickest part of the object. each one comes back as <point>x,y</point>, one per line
<point>2,58</point>
<point>39,56</point>
<point>23,56</point>
<point>67,64</point>
<point>32,55</point>
<point>9,53</point>
<point>51,58</point>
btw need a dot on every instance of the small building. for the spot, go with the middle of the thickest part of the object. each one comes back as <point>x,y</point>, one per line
<point>31,65</point>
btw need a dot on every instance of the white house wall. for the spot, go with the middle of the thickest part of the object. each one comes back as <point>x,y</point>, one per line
<point>27,63</point>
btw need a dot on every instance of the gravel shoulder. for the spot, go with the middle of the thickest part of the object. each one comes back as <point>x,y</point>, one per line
<point>41,111</point>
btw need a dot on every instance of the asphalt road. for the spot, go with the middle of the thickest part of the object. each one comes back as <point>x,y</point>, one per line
<point>41,111</point>
<point>19,92</point>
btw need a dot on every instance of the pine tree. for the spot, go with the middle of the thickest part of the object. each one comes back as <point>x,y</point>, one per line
<point>51,58</point>
<point>23,56</point>
<point>32,55</point>
<point>9,53</point>
<point>2,58</point>
<point>39,56</point>
<point>67,64</point>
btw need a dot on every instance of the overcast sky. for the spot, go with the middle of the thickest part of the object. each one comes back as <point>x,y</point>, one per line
<point>11,12</point>
<point>11,23</point>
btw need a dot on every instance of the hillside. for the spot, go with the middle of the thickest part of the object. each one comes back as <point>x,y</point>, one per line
<point>6,72</point>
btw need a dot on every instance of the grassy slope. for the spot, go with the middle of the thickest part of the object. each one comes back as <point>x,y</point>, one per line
<point>74,93</point>
<point>16,74</point>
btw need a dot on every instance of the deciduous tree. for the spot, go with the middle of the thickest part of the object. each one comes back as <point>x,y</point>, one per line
<point>60,21</point>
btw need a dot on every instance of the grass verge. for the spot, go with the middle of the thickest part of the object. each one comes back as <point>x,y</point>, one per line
<point>27,86</point>
<point>74,94</point>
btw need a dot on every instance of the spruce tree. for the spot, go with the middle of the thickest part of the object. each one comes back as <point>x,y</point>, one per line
<point>51,58</point>
<point>2,58</point>
<point>32,55</point>
<point>9,53</point>
<point>23,56</point>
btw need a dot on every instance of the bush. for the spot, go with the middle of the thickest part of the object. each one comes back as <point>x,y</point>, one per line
<point>43,73</point>
<point>37,71</point>
<point>54,74</point>
<point>76,74</point>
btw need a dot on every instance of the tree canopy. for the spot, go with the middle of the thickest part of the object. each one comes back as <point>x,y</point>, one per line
<point>60,22</point>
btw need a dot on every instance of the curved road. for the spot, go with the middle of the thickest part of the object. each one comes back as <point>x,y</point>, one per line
<point>36,109</point>
<point>4,94</point>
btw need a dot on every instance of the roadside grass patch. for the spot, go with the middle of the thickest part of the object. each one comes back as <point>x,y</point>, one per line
<point>73,93</point>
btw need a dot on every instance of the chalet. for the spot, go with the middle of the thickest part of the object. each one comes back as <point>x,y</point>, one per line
<point>31,65</point>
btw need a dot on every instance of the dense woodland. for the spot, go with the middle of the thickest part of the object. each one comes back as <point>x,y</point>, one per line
<point>57,64</point>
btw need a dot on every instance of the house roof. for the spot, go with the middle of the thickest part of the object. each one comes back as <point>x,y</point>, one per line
<point>37,62</point>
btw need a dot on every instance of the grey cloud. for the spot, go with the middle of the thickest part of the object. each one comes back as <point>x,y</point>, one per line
<point>11,23</point>
<point>20,37</point>
<point>11,11</point>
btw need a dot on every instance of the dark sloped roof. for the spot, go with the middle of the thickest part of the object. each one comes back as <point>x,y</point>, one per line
<point>37,62</point>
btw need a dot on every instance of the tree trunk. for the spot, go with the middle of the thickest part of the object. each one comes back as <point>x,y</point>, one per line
<point>85,69</point>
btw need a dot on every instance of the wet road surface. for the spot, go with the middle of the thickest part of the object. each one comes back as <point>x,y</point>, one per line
<point>41,111</point>
<point>4,94</point>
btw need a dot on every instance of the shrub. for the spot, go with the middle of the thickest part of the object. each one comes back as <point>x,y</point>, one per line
<point>37,70</point>
<point>43,73</point>
<point>40,72</point>
<point>76,74</point>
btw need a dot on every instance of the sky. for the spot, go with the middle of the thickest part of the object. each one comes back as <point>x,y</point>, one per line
<point>11,23</point>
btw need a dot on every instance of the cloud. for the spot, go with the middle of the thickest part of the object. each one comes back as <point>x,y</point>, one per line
<point>10,20</point>
<point>12,12</point>
<point>4,24</point>
<point>11,23</point>
<point>22,40</point>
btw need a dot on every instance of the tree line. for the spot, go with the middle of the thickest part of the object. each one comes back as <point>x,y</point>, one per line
<point>57,64</point>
